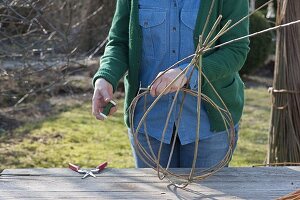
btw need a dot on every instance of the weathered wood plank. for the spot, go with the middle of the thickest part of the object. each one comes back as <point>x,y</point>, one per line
<point>116,195</point>
<point>229,183</point>
<point>253,171</point>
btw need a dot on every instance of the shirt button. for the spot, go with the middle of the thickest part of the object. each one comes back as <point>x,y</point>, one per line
<point>145,24</point>
<point>174,29</point>
<point>173,51</point>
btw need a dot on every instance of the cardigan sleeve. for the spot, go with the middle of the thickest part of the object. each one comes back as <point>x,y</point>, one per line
<point>114,62</point>
<point>229,58</point>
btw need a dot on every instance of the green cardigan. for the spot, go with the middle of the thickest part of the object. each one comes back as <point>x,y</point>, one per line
<point>221,66</point>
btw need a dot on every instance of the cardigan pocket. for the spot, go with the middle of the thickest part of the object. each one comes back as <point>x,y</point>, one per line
<point>188,22</point>
<point>154,33</point>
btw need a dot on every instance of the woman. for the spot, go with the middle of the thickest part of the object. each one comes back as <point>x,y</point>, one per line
<point>146,37</point>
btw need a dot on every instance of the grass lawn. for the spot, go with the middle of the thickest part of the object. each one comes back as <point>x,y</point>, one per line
<point>75,136</point>
<point>253,137</point>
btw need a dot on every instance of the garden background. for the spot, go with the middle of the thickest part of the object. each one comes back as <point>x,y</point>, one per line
<point>49,53</point>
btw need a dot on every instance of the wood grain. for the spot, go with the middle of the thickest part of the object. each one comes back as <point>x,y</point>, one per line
<point>229,183</point>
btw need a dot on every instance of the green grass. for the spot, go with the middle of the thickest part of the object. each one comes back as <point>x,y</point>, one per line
<point>253,137</point>
<point>75,136</point>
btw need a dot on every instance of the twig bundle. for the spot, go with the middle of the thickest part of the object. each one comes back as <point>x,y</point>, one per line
<point>284,141</point>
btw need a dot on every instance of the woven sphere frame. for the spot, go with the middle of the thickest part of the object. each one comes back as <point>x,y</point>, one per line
<point>150,159</point>
<point>181,180</point>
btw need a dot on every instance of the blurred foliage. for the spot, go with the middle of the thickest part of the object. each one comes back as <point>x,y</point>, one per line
<point>260,46</point>
<point>53,26</point>
<point>259,3</point>
<point>30,85</point>
<point>45,45</point>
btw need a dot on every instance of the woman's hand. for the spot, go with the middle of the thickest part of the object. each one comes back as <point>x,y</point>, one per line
<point>103,93</point>
<point>162,82</point>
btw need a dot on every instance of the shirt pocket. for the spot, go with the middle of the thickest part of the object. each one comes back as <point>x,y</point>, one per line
<point>188,21</point>
<point>153,24</point>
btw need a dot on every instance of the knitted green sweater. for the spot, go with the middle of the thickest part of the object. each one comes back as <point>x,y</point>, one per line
<point>123,54</point>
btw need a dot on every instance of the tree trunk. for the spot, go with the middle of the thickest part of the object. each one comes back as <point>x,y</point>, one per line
<point>284,140</point>
<point>252,5</point>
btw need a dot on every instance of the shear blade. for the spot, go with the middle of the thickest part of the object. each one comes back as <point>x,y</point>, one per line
<point>91,174</point>
<point>88,174</point>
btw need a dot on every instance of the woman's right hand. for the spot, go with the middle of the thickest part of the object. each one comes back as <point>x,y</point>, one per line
<point>103,93</point>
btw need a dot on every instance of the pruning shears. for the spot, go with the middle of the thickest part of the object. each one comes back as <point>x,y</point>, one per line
<point>86,172</point>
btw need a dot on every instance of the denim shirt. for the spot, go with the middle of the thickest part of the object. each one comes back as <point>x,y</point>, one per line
<point>167,31</point>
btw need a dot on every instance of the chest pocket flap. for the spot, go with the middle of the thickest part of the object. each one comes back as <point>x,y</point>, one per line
<point>153,27</point>
<point>188,18</point>
<point>149,18</point>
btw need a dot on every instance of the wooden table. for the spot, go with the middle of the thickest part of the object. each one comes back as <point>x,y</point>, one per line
<point>230,183</point>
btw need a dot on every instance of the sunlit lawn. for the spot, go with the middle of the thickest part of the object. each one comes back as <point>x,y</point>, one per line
<point>253,138</point>
<point>74,136</point>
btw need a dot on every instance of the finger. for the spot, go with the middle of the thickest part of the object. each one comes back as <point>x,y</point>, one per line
<point>154,87</point>
<point>160,88</point>
<point>96,101</point>
<point>113,110</point>
<point>183,81</point>
<point>173,89</point>
<point>97,105</point>
<point>168,90</point>
<point>100,117</point>
<point>179,84</point>
<point>106,95</point>
<point>96,113</point>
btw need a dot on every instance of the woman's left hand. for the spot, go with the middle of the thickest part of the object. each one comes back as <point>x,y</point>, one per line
<point>162,82</point>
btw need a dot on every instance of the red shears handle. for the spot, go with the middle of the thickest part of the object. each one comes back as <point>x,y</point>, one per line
<point>74,167</point>
<point>101,166</point>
